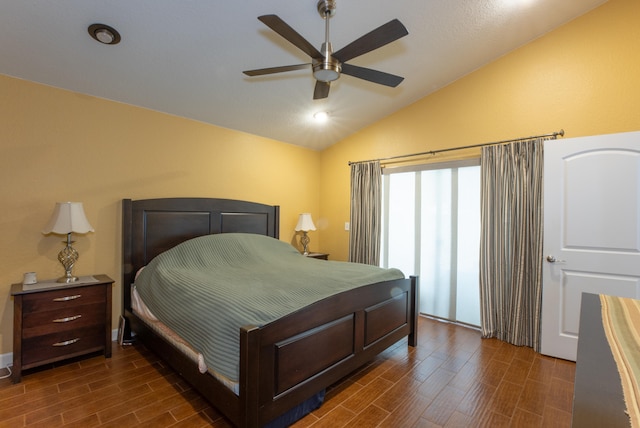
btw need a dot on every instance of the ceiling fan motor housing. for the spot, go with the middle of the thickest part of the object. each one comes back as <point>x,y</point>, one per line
<point>326,69</point>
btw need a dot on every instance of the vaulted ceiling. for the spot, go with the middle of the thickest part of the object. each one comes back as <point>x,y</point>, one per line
<point>186,58</point>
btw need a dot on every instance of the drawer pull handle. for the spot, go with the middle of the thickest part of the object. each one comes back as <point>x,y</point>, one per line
<point>67,342</point>
<point>67,298</point>
<point>67,319</point>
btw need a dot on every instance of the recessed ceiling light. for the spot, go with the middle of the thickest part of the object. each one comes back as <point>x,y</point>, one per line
<point>104,34</point>
<point>321,116</point>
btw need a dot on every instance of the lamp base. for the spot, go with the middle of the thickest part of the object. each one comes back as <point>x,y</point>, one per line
<point>68,256</point>
<point>304,240</point>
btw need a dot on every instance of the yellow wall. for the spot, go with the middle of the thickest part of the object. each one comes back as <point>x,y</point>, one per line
<point>57,145</point>
<point>583,77</point>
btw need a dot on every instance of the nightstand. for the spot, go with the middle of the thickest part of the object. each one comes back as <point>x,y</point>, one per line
<point>322,256</point>
<point>54,321</point>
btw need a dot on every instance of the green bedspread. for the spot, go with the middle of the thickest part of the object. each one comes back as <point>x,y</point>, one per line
<point>207,288</point>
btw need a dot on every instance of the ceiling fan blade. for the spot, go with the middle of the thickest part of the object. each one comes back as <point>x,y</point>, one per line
<point>374,76</point>
<point>321,90</point>
<point>272,70</point>
<point>385,34</point>
<point>282,28</point>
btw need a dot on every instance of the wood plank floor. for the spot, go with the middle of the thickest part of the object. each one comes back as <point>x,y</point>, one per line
<point>452,379</point>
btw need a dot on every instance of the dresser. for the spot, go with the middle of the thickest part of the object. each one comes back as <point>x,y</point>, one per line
<point>53,322</point>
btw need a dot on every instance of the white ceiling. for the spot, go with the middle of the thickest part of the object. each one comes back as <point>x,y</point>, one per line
<point>186,57</point>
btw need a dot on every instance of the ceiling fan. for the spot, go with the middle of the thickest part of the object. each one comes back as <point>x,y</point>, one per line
<point>328,65</point>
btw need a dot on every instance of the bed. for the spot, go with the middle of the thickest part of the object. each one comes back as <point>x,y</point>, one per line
<point>358,323</point>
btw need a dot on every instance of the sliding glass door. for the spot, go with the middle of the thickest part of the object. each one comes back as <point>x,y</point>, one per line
<point>431,228</point>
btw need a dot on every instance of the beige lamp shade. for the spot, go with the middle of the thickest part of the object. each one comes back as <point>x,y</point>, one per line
<point>305,223</point>
<point>68,217</point>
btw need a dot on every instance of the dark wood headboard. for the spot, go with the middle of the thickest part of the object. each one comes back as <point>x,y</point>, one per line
<point>151,226</point>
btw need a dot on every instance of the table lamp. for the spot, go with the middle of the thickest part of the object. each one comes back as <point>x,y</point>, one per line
<point>67,218</point>
<point>305,224</point>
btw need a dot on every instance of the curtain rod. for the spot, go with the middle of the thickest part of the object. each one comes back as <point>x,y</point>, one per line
<point>552,135</point>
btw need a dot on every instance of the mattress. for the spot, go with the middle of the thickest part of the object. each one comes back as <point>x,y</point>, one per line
<point>207,288</point>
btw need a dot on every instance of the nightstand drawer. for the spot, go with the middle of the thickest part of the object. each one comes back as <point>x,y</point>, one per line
<point>45,322</point>
<point>52,347</point>
<point>65,298</point>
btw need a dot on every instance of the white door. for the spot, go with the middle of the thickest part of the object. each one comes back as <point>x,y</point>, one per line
<point>591,230</point>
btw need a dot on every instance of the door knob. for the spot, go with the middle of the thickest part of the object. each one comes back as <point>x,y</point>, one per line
<point>552,259</point>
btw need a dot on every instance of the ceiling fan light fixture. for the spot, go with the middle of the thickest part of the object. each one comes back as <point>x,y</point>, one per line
<point>327,71</point>
<point>104,34</point>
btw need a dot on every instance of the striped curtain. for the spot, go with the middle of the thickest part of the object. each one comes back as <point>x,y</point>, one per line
<point>511,242</point>
<point>366,209</point>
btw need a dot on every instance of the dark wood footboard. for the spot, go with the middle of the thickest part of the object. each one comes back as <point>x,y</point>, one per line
<point>294,357</point>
